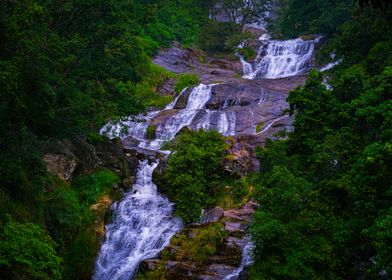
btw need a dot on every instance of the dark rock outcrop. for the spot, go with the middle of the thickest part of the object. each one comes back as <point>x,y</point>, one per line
<point>173,263</point>
<point>72,157</point>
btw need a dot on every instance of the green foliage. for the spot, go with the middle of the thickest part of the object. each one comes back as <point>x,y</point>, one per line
<point>302,17</point>
<point>66,67</point>
<point>219,37</point>
<point>186,80</point>
<point>285,249</point>
<point>192,178</point>
<point>248,53</point>
<point>381,237</point>
<point>259,126</point>
<point>327,188</point>
<point>27,252</point>
<point>151,132</point>
<point>146,91</point>
<point>235,192</point>
<point>72,223</point>
<point>244,12</point>
<point>204,243</point>
<point>325,192</point>
<point>158,273</point>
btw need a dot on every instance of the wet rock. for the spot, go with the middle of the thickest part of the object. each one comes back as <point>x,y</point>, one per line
<point>182,100</point>
<point>129,141</point>
<point>183,130</point>
<point>167,88</point>
<point>100,208</point>
<point>109,152</point>
<point>179,60</point>
<point>85,153</point>
<point>212,215</point>
<point>223,64</point>
<point>60,165</point>
<point>174,264</point>
<point>159,171</point>
<point>256,32</point>
<point>162,117</point>
<point>70,157</point>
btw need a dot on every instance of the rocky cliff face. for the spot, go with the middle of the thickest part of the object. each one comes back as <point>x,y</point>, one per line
<point>257,110</point>
<point>208,251</point>
<point>72,157</point>
<point>247,112</point>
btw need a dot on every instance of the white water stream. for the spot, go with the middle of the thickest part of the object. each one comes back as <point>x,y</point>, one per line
<point>278,59</point>
<point>143,225</point>
<point>246,261</point>
<point>223,122</point>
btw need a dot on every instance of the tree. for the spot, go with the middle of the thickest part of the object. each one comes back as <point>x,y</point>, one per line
<point>26,252</point>
<point>244,11</point>
<point>192,178</point>
<point>377,4</point>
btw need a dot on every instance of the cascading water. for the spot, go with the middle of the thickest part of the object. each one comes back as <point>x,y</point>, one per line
<point>136,126</point>
<point>247,68</point>
<point>223,122</point>
<point>143,225</point>
<point>197,100</point>
<point>246,261</point>
<point>278,59</point>
<point>143,222</point>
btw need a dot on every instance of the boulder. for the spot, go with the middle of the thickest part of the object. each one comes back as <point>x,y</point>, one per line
<point>59,159</point>
<point>100,208</point>
<point>87,158</point>
<point>182,100</point>
<point>211,215</point>
<point>61,165</point>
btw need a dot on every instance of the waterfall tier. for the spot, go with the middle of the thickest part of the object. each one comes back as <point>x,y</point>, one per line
<point>279,59</point>
<point>142,226</point>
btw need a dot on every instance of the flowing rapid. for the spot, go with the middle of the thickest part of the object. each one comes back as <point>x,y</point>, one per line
<point>279,59</point>
<point>143,225</point>
<point>136,127</point>
<point>246,261</point>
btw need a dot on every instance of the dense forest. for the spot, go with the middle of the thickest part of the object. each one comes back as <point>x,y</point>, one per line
<point>325,192</point>
<point>66,68</point>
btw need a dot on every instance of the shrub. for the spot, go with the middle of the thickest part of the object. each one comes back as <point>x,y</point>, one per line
<point>203,244</point>
<point>26,252</point>
<point>192,178</point>
<point>259,126</point>
<point>151,132</point>
<point>186,80</point>
<point>72,224</point>
<point>248,53</point>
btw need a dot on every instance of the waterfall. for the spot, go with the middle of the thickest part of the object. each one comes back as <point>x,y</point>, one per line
<point>278,59</point>
<point>223,122</point>
<point>247,68</point>
<point>143,225</point>
<point>330,65</point>
<point>136,126</point>
<point>197,100</point>
<point>270,124</point>
<point>246,261</point>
